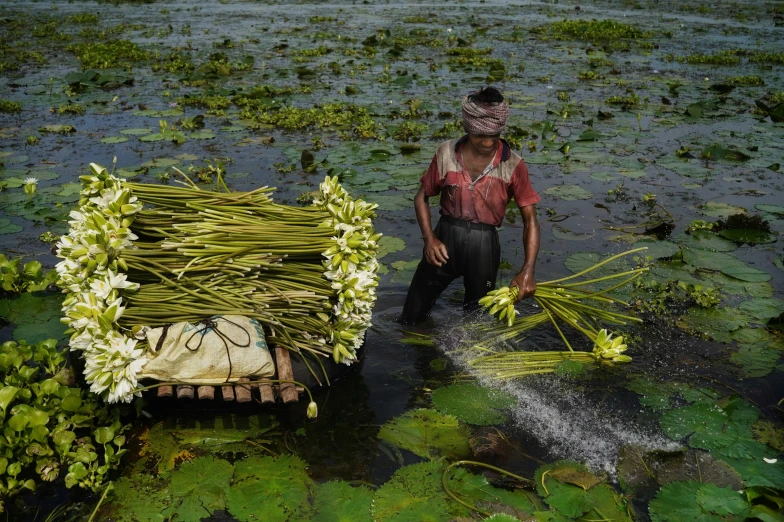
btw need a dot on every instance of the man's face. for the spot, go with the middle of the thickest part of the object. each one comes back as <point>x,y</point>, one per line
<point>483,143</point>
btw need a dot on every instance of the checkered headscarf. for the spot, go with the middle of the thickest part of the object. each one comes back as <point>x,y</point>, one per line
<point>484,118</point>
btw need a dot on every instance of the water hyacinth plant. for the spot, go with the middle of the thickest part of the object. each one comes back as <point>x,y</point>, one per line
<point>562,300</point>
<point>308,274</point>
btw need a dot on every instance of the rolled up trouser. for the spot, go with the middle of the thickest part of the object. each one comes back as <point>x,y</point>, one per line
<point>474,253</point>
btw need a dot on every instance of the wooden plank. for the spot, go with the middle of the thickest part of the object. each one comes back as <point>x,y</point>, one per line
<point>165,391</point>
<point>288,391</point>
<point>242,390</point>
<point>206,392</point>
<point>228,393</point>
<point>185,392</point>
<point>265,390</point>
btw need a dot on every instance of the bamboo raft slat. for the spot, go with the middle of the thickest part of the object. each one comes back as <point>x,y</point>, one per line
<point>243,390</point>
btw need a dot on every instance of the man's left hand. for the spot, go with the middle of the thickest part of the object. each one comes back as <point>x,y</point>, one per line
<point>525,283</point>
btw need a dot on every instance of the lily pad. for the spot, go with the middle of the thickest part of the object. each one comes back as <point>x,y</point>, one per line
<point>199,487</point>
<point>415,493</point>
<point>135,132</point>
<point>763,309</point>
<point>337,501</point>
<point>388,245</point>
<point>427,433</point>
<point>658,249</point>
<point>771,209</point>
<point>267,488</point>
<point>560,232</point>
<point>8,227</point>
<point>720,210</point>
<point>756,360</point>
<point>556,483</point>
<point>707,240</point>
<point>721,501</point>
<point>473,403</point>
<point>569,192</point>
<point>725,263</point>
<point>114,139</point>
<point>677,501</point>
<point>748,236</point>
<point>708,321</point>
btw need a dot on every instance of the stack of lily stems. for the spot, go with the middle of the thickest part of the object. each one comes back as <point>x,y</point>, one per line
<point>568,301</point>
<point>202,253</point>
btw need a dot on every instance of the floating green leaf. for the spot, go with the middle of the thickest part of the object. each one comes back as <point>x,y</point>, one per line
<point>721,501</point>
<point>114,139</point>
<point>415,493</point>
<point>771,209</point>
<point>755,360</point>
<point>677,502</point>
<point>560,232</point>
<point>720,210</point>
<point>427,433</point>
<point>388,245</point>
<point>473,403</point>
<point>199,487</point>
<point>569,192</point>
<point>748,236</point>
<point>267,488</point>
<point>7,227</point>
<point>763,309</point>
<point>337,501</point>
<point>707,240</point>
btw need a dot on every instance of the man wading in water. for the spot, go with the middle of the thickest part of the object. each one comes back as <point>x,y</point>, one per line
<point>476,176</point>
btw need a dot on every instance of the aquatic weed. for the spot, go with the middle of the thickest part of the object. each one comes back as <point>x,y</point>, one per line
<point>10,107</point>
<point>114,53</point>
<point>591,30</point>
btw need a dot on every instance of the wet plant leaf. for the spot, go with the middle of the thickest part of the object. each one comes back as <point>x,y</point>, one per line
<point>658,249</point>
<point>707,240</point>
<point>388,245</point>
<point>569,192</point>
<point>575,501</point>
<point>755,360</point>
<point>473,403</point>
<point>135,132</point>
<point>725,263</point>
<point>719,152</point>
<point>114,139</point>
<point>771,209</point>
<point>139,498</point>
<point>427,433</point>
<point>721,501</point>
<point>693,465</point>
<point>267,488</point>
<point>415,493</point>
<point>732,286</point>
<point>476,490</point>
<point>560,232</point>
<point>757,472</point>
<point>676,502</point>
<point>337,501</point>
<point>720,210</point>
<point>7,227</point>
<point>763,309</point>
<point>748,236</point>
<point>199,487</point>
<point>768,433</point>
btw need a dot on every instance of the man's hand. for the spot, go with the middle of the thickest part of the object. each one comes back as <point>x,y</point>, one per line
<point>525,283</point>
<point>435,252</point>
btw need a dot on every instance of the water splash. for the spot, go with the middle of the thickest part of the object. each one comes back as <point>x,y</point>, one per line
<point>567,421</point>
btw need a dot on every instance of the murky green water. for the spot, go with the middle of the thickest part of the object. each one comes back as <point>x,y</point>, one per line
<point>380,57</point>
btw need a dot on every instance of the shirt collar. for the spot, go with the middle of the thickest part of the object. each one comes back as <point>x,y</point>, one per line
<point>506,150</point>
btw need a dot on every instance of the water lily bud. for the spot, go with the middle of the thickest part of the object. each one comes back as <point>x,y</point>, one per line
<point>312,410</point>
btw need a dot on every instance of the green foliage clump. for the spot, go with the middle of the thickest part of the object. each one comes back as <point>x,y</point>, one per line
<point>68,108</point>
<point>10,107</point>
<point>409,131</point>
<point>588,75</point>
<point>340,115</point>
<point>17,278</point>
<point>730,57</point>
<point>762,57</point>
<point>416,19</point>
<point>174,62</point>
<point>674,297</point>
<point>205,101</point>
<point>477,61</point>
<point>114,53</point>
<point>220,65</point>
<point>449,129</point>
<point>745,81</point>
<point>624,101</point>
<point>468,51</point>
<point>319,19</point>
<point>318,51</point>
<point>49,428</point>
<point>83,18</point>
<point>592,30</point>
<point>49,30</point>
<point>600,61</point>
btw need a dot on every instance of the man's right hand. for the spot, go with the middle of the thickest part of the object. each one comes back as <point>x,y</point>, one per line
<point>435,252</point>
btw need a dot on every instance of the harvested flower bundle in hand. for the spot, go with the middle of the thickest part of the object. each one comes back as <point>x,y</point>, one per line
<point>564,300</point>
<point>144,255</point>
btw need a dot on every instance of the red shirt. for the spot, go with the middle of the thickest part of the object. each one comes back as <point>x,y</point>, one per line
<point>483,200</point>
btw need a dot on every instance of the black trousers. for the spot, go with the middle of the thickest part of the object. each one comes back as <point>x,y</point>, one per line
<point>474,253</point>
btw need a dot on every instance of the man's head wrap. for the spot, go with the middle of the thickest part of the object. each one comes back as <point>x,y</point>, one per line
<point>486,118</point>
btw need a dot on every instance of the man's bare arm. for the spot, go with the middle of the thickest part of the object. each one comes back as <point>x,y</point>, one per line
<point>435,250</point>
<point>525,281</point>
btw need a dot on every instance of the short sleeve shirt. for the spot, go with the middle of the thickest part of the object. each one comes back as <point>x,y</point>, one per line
<point>485,199</point>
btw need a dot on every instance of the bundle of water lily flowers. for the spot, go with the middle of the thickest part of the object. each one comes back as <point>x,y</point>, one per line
<point>570,301</point>
<point>141,255</point>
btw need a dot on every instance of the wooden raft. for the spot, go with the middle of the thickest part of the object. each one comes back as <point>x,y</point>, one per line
<point>243,390</point>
